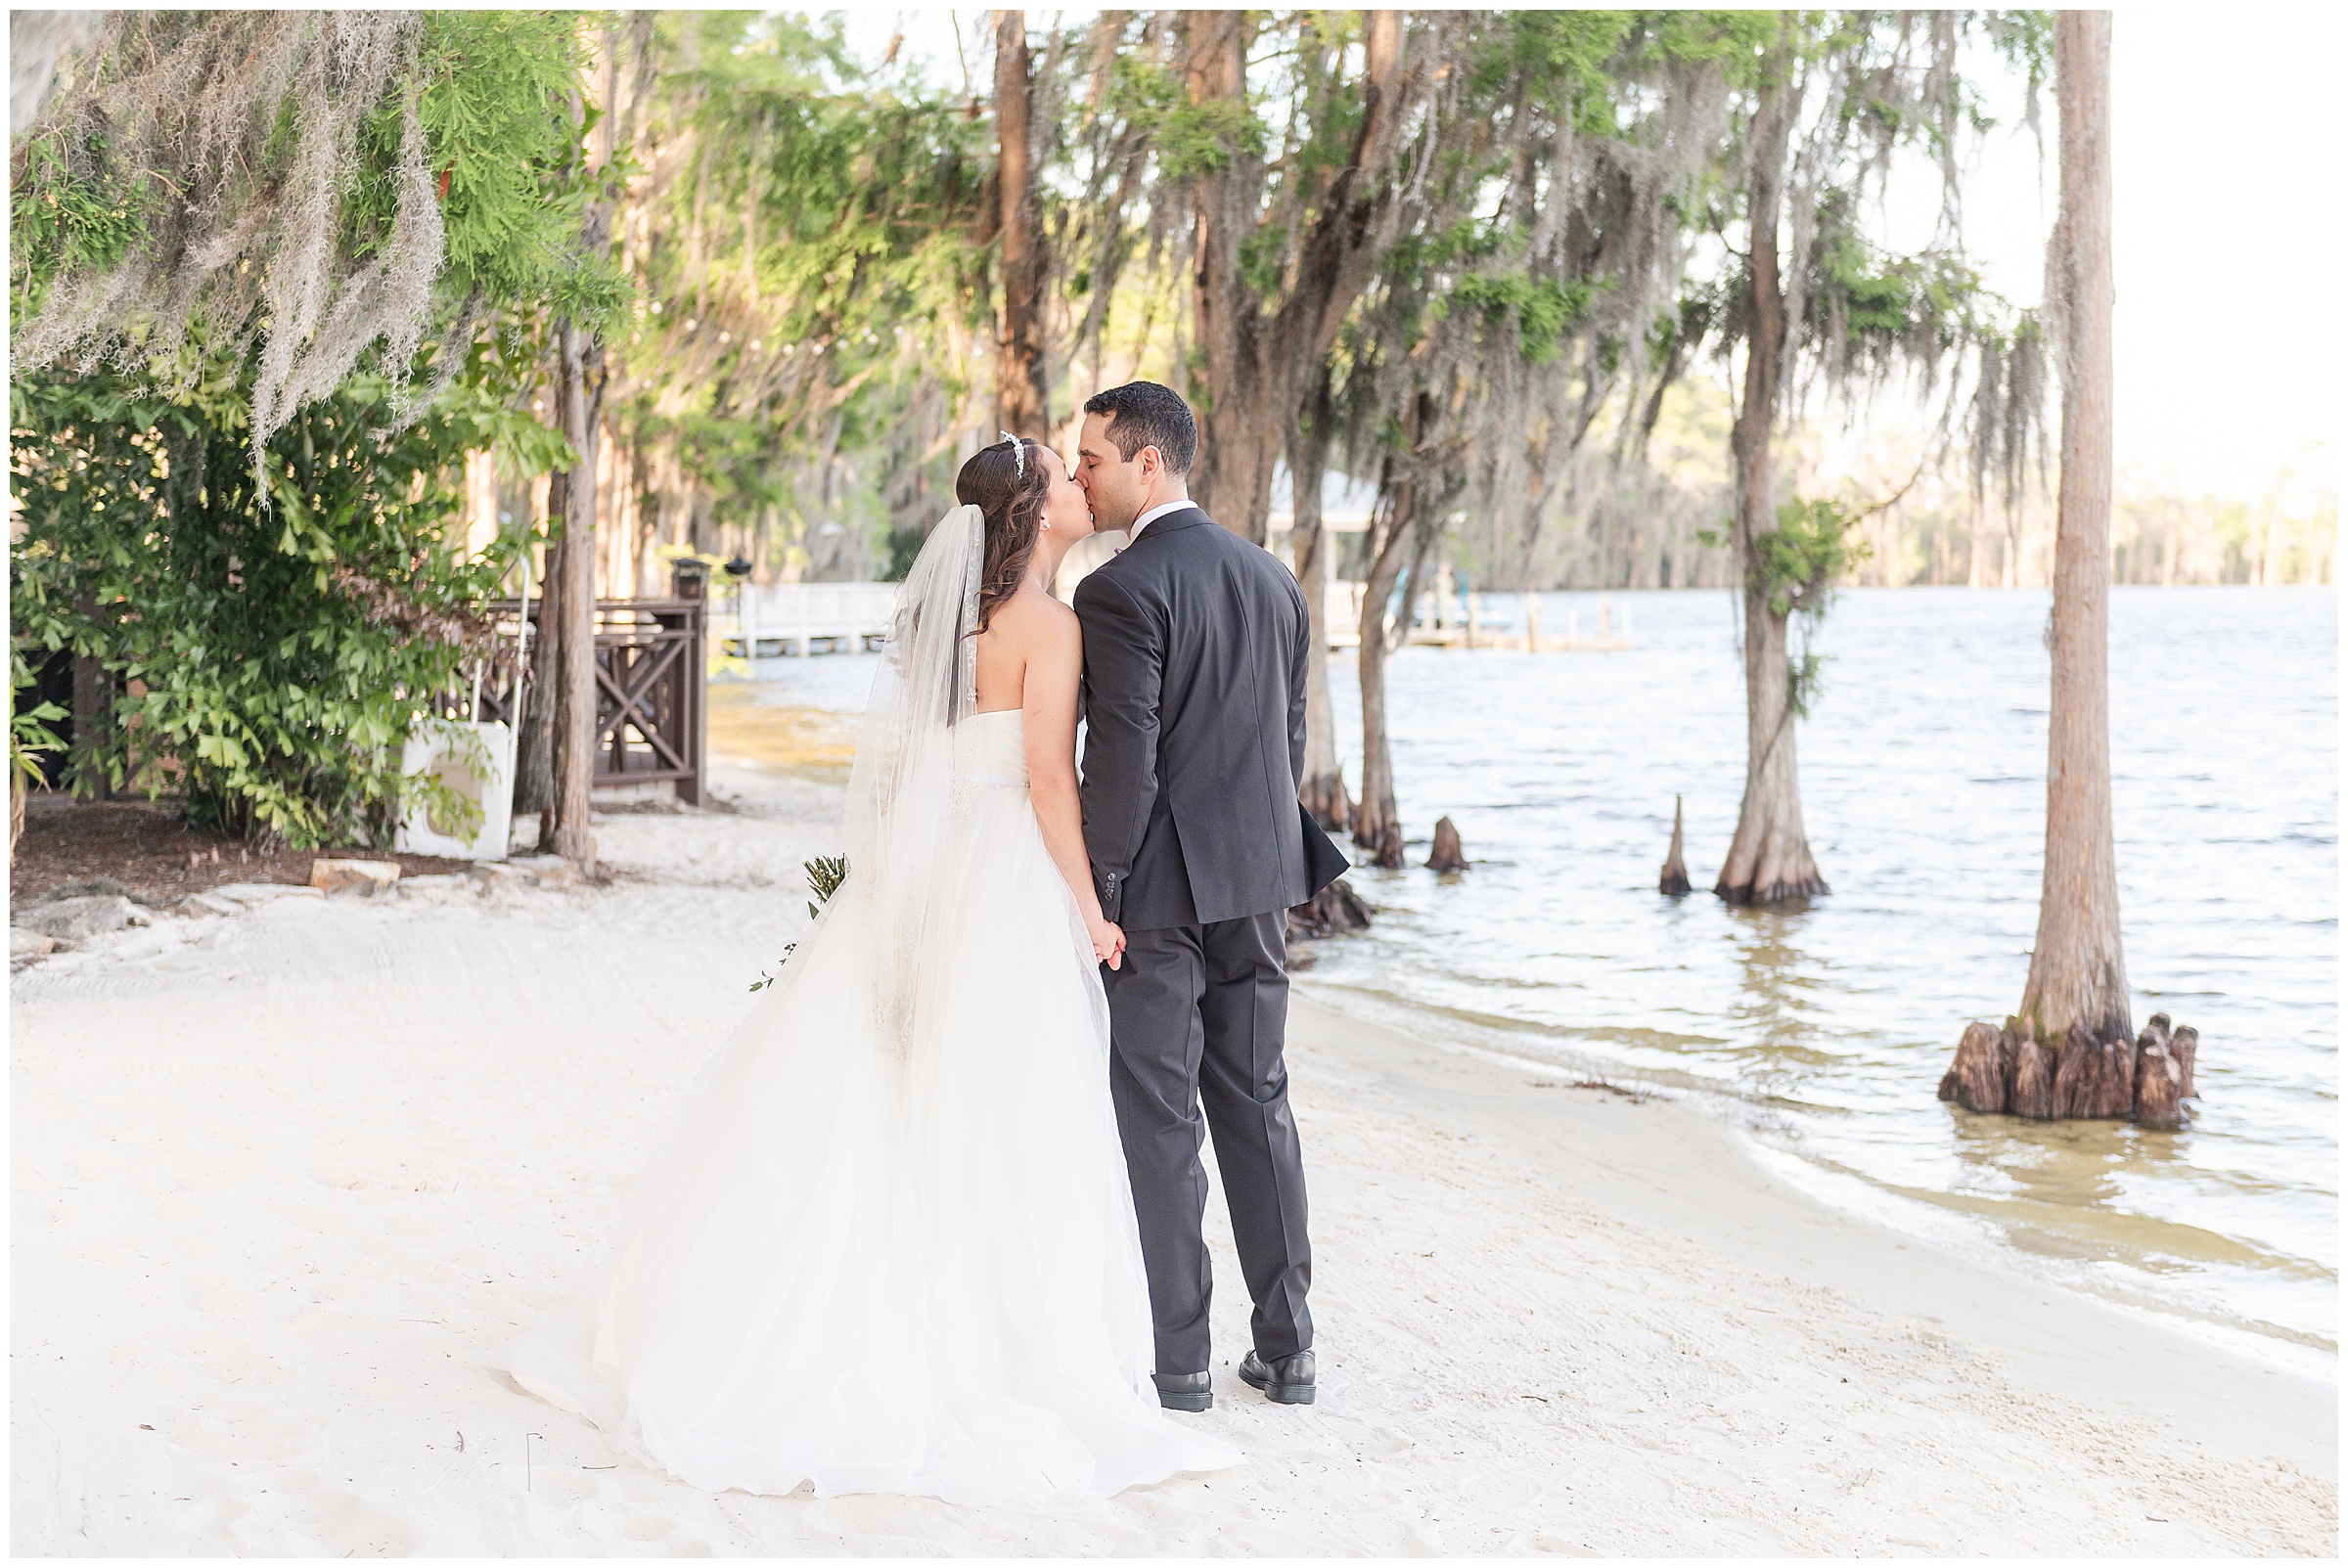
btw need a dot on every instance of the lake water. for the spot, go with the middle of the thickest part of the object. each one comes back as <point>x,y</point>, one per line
<point>1823,1030</point>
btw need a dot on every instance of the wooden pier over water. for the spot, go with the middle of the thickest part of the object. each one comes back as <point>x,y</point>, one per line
<point>770,619</point>
<point>792,617</point>
<point>1466,621</point>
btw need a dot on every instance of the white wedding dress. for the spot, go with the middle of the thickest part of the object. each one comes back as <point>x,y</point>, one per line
<point>888,1244</point>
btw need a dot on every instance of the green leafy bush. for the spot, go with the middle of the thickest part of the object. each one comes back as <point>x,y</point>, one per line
<point>274,623</point>
<point>268,655</point>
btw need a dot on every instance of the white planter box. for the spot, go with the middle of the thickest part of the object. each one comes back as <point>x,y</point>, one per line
<point>477,761</point>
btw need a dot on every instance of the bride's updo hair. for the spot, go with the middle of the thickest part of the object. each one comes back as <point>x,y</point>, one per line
<point>1007,483</point>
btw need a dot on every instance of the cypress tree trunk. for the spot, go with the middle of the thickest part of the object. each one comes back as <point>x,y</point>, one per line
<point>1324,790</point>
<point>1248,376</point>
<point>2067,1051</point>
<point>1377,822</point>
<point>534,748</point>
<point>1240,414</point>
<point>1020,384</point>
<point>1769,859</point>
<point>2078,975</point>
<point>575,658</point>
<point>578,410</point>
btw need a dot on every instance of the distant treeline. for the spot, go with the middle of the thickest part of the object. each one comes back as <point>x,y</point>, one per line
<point>1616,526</point>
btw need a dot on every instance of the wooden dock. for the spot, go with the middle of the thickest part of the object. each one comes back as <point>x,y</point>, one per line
<point>1441,625</point>
<point>777,618</point>
<point>771,619</point>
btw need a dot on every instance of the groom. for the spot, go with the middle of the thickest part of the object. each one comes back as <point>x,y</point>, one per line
<point>1194,644</point>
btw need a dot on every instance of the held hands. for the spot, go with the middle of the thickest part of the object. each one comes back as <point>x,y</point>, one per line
<point>1108,940</point>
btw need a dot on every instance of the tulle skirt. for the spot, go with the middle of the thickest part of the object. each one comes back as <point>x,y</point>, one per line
<point>884,1261</point>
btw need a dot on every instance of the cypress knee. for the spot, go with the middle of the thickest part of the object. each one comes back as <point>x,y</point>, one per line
<point>2094,1078</point>
<point>2156,1083</point>
<point>2116,1084</point>
<point>2182,1048</point>
<point>2076,1069</point>
<point>2033,1093</point>
<point>1335,908</point>
<point>1978,1078</point>
<point>1675,866</point>
<point>1447,855</point>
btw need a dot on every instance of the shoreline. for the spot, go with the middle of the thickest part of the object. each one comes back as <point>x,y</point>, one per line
<point>286,1182</point>
<point>1726,1199</point>
<point>1984,1240</point>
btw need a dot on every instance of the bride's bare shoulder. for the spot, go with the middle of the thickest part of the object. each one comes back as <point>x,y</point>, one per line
<point>1032,615</point>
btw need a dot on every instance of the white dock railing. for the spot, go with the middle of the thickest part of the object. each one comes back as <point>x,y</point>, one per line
<point>1466,620</point>
<point>792,617</point>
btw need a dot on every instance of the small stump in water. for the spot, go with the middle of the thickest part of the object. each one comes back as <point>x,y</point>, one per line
<point>2158,1081</point>
<point>2181,1046</point>
<point>1675,864</point>
<point>1335,908</point>
<point>2164,1072</point>
<point>1447,855</point>
<point>2011,1070</point>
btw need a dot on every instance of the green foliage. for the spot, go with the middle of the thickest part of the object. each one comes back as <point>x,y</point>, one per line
<point>1735,40</point>
<point>267,661</point>
<point>815,235</point>
<point>59,223</point>
<point>1795,566</point>
<point>2025,39</point>
<point>1567,59</point>
<point>1542,310</point>
<point>1201,138</point>
<point>29,732</point>
<point>825,874</point>
<point>1141,93</point>
<point>168,195</point>
<point>1872,312</point>
<point>276,622</point>
<point>1552,211</point>
<point>512,163</point>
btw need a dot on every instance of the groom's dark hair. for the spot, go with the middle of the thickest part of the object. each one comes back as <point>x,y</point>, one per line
<point>1144,414</point>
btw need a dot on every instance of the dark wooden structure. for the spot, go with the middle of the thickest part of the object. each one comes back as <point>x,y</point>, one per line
<point>651,709</point>
<point>651,678</point>
<point>77,684</point>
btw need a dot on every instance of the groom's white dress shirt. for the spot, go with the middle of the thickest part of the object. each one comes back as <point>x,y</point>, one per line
<point>1152,514</point>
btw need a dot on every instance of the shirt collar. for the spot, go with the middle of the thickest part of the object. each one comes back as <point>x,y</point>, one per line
<point>1152,514</point>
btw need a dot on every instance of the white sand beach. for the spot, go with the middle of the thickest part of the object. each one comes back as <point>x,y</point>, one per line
<point>287,1180</point>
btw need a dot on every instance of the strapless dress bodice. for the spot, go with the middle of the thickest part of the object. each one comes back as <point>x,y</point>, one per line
<point>992,748</point>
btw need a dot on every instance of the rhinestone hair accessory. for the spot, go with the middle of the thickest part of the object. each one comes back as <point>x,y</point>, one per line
<point>1019,452</point>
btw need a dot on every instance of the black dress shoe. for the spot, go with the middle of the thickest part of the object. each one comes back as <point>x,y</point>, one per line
<point>1288,1381</point>
<point>1185,1391</point>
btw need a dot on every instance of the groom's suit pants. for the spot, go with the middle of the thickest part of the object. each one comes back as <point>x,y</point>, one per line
<point>1199,1016</point>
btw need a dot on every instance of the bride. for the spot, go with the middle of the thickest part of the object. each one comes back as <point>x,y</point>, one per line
<point>888,1244</point>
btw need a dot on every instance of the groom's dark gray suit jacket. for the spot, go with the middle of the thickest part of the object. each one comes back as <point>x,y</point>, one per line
<point>1195,647</point>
